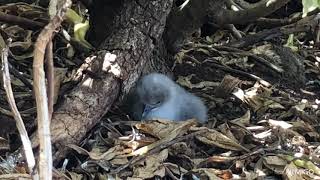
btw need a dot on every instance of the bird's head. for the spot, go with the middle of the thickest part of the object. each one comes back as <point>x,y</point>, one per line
<point>154,90</point>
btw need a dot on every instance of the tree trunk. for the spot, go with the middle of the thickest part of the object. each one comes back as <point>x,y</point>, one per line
<point>134,30</point>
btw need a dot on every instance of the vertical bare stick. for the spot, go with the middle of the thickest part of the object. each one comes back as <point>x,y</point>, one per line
<point>45,157</point>
<point>39,86</point>
<point>50,77</point>
<point>26,143</point>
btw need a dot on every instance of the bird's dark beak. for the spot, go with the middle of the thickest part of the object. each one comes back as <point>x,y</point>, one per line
<point>147,109</point>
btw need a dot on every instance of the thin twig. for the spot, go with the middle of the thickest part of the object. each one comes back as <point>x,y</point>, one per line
<point>45,160</point>
<point>19,122</point>
<point>50,78</point>
<point>210,62</point>
<point>21,21</point>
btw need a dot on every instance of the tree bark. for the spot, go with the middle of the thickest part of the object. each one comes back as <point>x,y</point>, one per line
<point>135,30</point>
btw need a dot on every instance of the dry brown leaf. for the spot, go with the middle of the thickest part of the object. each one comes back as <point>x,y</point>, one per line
<point>303,126</point>
<point>162,128</point>
<point>119,161</point>
<point>175,168</point>
<point>215,138</point>
<point>186,82</point>
<point>153,166</point>
<point>275,163</point>
<point>165,130</point>
<point>243,120</point>
<point>227,86</point>
<point>135,141</point>
<point>258,98</point>
<point>110,154</point>
<point>213,174</point>
<point>225,129</point>
<point>225,160</point>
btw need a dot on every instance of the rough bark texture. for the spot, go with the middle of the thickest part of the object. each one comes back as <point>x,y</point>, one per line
<point>134,39</point>
<point>259,9</point>
<point>183,22</point>
<point>136,29</point>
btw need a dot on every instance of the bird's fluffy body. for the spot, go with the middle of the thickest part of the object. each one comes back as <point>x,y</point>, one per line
<point>164,99</point>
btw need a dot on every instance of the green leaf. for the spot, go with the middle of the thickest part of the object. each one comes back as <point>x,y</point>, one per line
<point>309,5</point>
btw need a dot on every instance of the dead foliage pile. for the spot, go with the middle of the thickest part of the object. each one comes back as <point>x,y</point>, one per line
<point>262,92</point>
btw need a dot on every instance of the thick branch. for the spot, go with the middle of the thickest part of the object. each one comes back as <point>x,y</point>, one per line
<point>246,5</point>
<point>21,21</point>
<point>240,17</point>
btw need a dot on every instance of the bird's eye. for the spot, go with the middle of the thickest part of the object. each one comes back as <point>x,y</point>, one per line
<point>156,103</point>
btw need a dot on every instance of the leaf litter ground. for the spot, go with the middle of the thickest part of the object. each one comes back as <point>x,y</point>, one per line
<point>263,103</point>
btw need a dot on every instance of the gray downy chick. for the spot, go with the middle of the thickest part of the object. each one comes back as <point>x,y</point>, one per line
<point>164,99</point>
